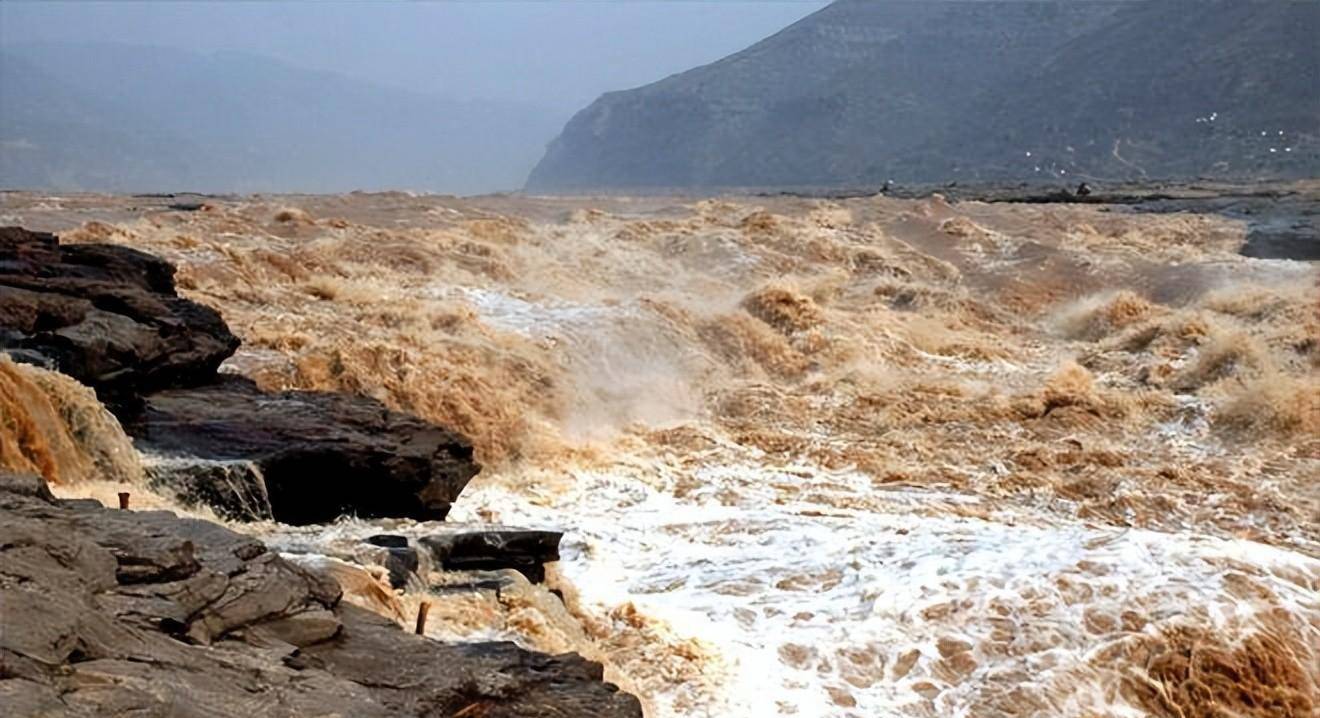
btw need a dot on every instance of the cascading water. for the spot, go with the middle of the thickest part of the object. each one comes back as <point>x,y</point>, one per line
<point>874,457</point>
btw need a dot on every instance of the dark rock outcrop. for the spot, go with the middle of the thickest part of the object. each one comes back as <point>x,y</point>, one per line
<point>107,612</point>
<point>317,455</point>
<point>864,91</point>
<point>400,560</point>
<point>524,550</point>
<point>106,315</point>
<point>109,316</point>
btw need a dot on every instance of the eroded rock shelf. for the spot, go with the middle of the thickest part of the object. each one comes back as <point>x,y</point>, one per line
<point>108,612</point>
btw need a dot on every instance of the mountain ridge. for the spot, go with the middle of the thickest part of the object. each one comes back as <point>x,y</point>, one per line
<point>861,92</point>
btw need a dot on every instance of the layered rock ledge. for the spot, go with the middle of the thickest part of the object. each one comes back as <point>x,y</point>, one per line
<point>110,317</point>
<point>297,456</point>
<point>120,612</point>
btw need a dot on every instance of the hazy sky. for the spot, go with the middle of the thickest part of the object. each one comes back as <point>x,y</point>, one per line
<point>559,54</point>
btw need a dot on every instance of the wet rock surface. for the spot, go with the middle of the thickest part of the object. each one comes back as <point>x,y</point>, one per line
<point>524,550</point>
<point>106,315</point>
<point>109,316</point>
<point>109,612</point>
<point>317,455</point>
<point>235,490</point>
<point>400,559</point>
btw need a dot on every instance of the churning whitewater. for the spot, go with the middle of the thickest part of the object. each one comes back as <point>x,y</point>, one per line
<point>870,457</point>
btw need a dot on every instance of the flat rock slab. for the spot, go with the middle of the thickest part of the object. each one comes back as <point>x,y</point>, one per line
<point>109,612</point>
<point>313,456</point>
<point>109,316</point>
<point>524,550</point>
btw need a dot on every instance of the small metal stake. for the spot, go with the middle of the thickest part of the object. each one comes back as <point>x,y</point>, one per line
<point>123,499</point>
<point>421,617</point>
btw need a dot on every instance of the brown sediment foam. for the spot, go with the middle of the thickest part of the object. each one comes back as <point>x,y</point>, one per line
<point>56,427</point>
<point>1046,364</point>
<point>1070,385</point>
<point>293,215</point>
<point>1224,354</point>
<point>748,344</point>
<point>1192,672</point>
<point>784,309</point>
<point>26,443</point>
<point>1100,316</point>
<point>1273,404</point>
<point>837,292</point>
<point>645,657</point>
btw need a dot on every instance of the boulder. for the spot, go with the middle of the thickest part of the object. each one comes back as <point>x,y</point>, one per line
<point>317,456</point>
<point>106,315</point>
<point>400,560</point>
<point>111,612</point>
<point>524,550</point>
<point>387,540</point>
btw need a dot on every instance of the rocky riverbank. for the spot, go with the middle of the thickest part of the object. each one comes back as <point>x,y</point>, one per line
<point>110,317</point>
<point>111,612</point>
<point>107,611</point>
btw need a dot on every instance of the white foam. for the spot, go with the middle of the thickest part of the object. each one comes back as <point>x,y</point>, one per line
<point>752,572</point>
<point>541,318</point>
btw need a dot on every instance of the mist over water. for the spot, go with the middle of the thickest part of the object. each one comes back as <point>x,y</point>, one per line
<point>287,97</point>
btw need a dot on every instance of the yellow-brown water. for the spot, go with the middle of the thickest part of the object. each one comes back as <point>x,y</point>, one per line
<point>53,426</point>
<point>869,457</point>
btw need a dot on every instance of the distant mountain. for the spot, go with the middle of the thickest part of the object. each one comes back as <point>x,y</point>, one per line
<point>867,90</point>
<point>127,118</point>
<point>52,135</point>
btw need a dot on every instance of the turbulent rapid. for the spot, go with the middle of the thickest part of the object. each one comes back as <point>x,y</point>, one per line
<point>820,458</point>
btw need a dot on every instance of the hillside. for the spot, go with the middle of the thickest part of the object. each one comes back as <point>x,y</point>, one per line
<point>861,92</point>
<point>128,118</point>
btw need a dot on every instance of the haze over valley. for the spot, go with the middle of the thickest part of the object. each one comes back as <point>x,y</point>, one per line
<point>865,359</point>
<point>263,97</point>
<point>853,95</point>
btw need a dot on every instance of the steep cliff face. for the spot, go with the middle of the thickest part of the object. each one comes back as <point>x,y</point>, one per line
<point>863,90</point>
<point>1167,89</point>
